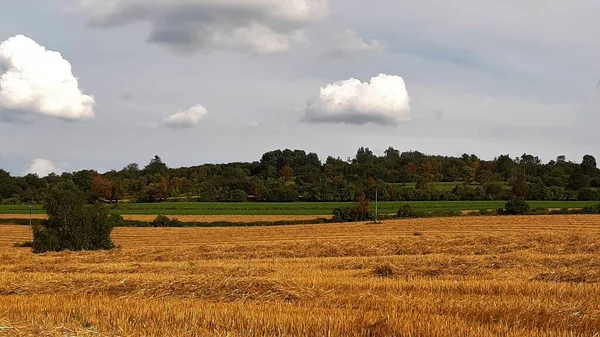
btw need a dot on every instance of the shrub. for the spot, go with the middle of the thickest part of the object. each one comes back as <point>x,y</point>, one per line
<point>516,206</point>
<point>72,225</point>
<point>163,221</point>
<point>357,213</point>
<point>539,211</point>
<point>594,209</point>
<point>406,212</point>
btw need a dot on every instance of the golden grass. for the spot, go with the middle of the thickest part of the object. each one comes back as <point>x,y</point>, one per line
<point>474,276</point>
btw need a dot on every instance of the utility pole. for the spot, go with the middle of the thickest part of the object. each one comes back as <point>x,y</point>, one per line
<point>376,204</point>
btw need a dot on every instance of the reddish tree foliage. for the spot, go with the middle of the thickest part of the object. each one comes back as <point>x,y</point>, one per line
<point>101,187</point>
<point>286,173</point>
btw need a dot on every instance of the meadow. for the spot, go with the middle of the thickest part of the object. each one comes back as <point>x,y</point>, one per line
<point>467,276</point>
<point>297,208</point>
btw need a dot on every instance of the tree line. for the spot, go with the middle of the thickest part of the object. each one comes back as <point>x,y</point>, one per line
<point>294,175</point>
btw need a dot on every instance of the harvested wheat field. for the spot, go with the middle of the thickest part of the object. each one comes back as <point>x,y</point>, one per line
<point>469,276</point>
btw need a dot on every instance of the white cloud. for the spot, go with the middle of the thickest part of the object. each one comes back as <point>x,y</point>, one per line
<point>41,167</point>
<point>384,101</point>
<point>36,80</point>
<point>252,125</point>
<point>248,26</point>
<point>348,43</point>
<point>187,118</point>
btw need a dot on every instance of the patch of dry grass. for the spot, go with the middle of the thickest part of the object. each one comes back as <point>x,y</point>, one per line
<point>496,276</point>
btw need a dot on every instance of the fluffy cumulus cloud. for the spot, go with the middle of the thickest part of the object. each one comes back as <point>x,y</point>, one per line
<point>187,118</point>
<point>248,26</point>
<point>348,43</point>
<point>41,167</point>
<point>36,80</point>
<point>383,101</point>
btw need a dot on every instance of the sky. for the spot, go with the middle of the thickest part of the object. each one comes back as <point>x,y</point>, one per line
<point>98,84</point>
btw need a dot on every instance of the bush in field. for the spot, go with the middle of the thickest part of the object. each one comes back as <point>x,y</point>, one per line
<point>516,206</point>
<point>163,221</point>
<point>406,212</point>
<point>594,209</point>
<point>72,225</point>
<point>357,213</point>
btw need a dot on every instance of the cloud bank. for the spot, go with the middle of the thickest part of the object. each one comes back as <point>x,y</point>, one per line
<point>348,43</point>
<point>36,80</point>
<point>383,101</point>
<point>41,167</point>
<point>247,26</point>
<point>187,118</point>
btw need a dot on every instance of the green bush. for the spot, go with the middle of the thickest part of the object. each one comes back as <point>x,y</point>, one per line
<point>72,225</point>
<point>485,212</point>
<point>516,206</point>
<point>406,212</point>
<point>358,213</point>
<point>163,221</point>
<point>539,211</point>
<point>594,209</point>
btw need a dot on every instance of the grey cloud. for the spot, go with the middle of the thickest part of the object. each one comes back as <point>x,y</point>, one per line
<point>247,26</point>
<point>349,44</point>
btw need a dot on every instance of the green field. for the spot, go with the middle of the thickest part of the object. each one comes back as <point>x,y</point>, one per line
<point>299,208</point>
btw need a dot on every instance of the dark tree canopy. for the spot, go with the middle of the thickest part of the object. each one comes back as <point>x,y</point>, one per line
<point>296,175</point>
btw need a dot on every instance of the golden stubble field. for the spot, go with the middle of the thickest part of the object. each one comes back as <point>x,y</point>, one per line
<point>470,276</point>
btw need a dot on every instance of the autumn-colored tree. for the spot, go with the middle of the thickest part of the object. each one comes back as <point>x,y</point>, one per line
<point>175,186</point>
<point>363,205</point>
<point>163,187</point>
<point>412,168</point>
<point>286,173</point>
<point>468,174</point>
<point>101,188</point>
<point>158,191</point>
<point>423,182</point>
<point>429,167</point>
<point>117,191</point>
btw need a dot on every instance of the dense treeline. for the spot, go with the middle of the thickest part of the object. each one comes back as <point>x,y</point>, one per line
<point>286,176</point>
